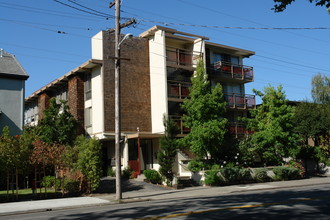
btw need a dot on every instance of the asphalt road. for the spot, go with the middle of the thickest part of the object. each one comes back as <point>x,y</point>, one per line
<point>312,202</point>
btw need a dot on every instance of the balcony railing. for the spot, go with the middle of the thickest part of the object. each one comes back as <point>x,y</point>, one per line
<point>234,71</point>
<point>178,90</point>
<point>180,57</point>
<point>178,120</point>
<point>240,101</point>
<point>238,129</point>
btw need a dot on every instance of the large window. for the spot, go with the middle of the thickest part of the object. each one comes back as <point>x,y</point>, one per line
<point>88,87</point>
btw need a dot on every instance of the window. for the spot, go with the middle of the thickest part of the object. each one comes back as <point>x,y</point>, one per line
<point>88,117</point>
<point>88,87</point>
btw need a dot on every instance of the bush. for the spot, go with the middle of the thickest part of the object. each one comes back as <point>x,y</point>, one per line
<point>286,173</point>
<point>195,166</point>
<point>126,173</point>
<point>260,175</point>
<point>230,174</point>
<point>111,172</point>
<point>153,176</point>
<point>212,178</point>
<point>70,186</point>
<point>245,176</point>
<point>51,182</point>
<point>298,165</point>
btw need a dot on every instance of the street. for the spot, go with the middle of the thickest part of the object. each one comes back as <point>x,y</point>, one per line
<point>312,202</point>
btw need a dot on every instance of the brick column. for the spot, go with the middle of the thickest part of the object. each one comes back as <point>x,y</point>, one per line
<point>76,101</point>
<point>43,104</point>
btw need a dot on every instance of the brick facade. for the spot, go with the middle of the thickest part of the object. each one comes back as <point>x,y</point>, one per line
<point>76,100</point>
<point>135,85</point>
<point>43,103</point>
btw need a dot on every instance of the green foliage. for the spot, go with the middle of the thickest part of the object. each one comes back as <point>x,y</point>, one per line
<point>285,173</point>
<point>205,116</point>
<point>13,154</point>
<point>90,160</point>
<point>321,89</point>
<point>297,165</point>
<point>70,186</point>
<point>282,4</point>
<point>231,174</point>
<point>245,175</point>
<point>260,175</point>
<point>126,173</point>
<point>111,172</point>
<point>57,125</point>
<point>212,178</point>
<point>153,176</point>
<point>196,165</point>
<point>274,138</point>
<point>51,182</point>
<point>168,149</point>
<point>247,152</point>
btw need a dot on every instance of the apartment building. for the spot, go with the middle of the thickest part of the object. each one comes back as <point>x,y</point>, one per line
<point>155,78</point>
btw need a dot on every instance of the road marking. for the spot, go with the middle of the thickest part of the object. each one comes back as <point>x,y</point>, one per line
<point>234,207</point>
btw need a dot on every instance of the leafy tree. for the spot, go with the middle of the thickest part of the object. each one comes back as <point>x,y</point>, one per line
<point>282,4</point>
<point>312,121</point>
<point>273,124</point>
<point>168,149</point>
<point>321,89</point>
<point>205,110</point>
<point>90,160</point>
<point>58,125</point>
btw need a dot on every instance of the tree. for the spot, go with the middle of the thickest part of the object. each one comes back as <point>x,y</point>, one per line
<point>282,4</point>
<point>90,160</point>
<point>168,149</point>
<point>58,124</point>
<point>321,89</point>
<point>205,116</point>
<point>273,125</point>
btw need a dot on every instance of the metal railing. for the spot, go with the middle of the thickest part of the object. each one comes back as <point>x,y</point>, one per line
<point>238,129</point>
<point>234,71</point>
<point>242,101</point>
<point>181,57</point>
<point>179,90</point>
<point>178,120</point>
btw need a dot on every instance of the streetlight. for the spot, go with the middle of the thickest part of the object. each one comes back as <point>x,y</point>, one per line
<point>117,113</point>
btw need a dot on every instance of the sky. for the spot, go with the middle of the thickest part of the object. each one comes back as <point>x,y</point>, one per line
<point>51,37</point>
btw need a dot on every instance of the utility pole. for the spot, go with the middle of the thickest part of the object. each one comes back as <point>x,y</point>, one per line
<point>117,102</point>
<point>117,59</point>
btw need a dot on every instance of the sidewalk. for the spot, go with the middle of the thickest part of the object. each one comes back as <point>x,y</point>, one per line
<point>136,191</point>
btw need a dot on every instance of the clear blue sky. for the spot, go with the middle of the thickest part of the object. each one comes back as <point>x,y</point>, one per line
<point>288,57</point>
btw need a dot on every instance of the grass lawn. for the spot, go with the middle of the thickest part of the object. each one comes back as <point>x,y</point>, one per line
<point>26,195</point>
<point>27,191</point>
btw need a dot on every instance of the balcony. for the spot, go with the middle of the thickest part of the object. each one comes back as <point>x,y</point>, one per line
<point>233,71</point>
<point>177,90</point>
<point>238,129</point>
<point>181,58</point>
<point>178,120</point>
<point>240,101</point>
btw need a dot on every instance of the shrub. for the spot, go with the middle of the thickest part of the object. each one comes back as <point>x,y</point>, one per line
<point>51,182</point>
<point>195,166</point>
<point>48,181</point>
<point>260,175</point>
<point>126,173</point>
<point>245,176</point>
<point>230,174</point>
<point>70,186</point>
<point>111,172</point>
<point>298,165</point>
<point>212,178</point>
<point>153,176</point>
<point>285,173</point>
